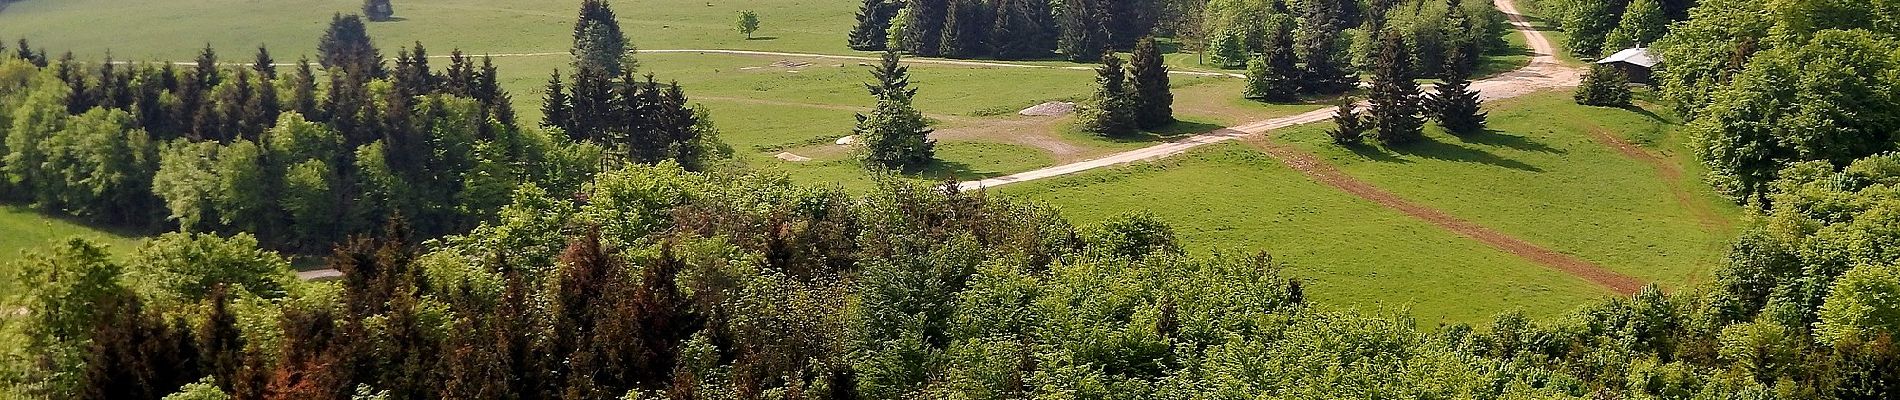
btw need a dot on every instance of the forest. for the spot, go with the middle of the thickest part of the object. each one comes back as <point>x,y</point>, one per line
<point>614,250</point>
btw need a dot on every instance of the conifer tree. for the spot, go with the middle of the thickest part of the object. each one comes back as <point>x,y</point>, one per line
<point>1456,107</point>
<point>303,95</point>
<point>1018,33</point>
<point>964,29</point>
<point>923,30</point>
<point>1318,49</point>
<point>1604,86</point>
<point>1082,38</point>
<point>892,76</point>
<point>1112,110</point>
<point>599,43</point>
<point>1148,74</point>
<point>265,67</point>
<point>1263,84</point>
<point>1349,126</point>
<point>346,45</point>
<point>874,24</point>
<point>895,135</point>
<point>1396,113</point>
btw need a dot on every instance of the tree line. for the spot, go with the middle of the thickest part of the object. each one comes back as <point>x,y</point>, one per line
<point>1081,30</point>
<point>305,157</point>
<point>666,283</point>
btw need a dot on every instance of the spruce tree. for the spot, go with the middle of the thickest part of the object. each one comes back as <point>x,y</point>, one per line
<point>346,45</point>
<point>964,29</point>
<point>1018,33</point>
<point>874,23</point>
<point>895,135</point>
<point>1349,126</point>
<point>599,43</point>
<point>891,75</point>
<point>1604,86</point>
<point>1112,110</point>
<point>303,94</point>
<point>555,110</point>
<point>1082,38</point>
<point>923,30</point>
<point>263,64</point>
<point>1396,113</point>
<point>1148,74</point>
<point>1263,84</point>
<point>1456,107</point>
<point>1318,50</point>
<point>1272,76</point>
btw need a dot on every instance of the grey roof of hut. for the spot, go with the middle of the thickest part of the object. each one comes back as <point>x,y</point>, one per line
<point>1638,56</point>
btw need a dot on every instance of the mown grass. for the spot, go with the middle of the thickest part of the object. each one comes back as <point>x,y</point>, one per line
<point>1231,198</point>
<point>1540,175</point>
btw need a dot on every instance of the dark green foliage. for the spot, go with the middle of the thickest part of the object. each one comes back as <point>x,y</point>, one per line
<point>1127,21</point>
<point>378,10</point>
<point>346,46</point>
<point>599,44</point>
<point>1456,107</point>
<point>1276,77</point>
<point>1642,22</point>
<point>1317,47</point>
<point>1082,37</point>
<point>1397,109</point>
<point>894,135</point>
<point>1022,30</point>
<point>1112,111</point>
<point>556,109</point>
<point>874,22</point>
<point>1604,86</point>
<point>263,64</point>
<point>1148,77</point>
<point>1349,126</point>
<point>965,29</point>
<point>1588,24</point>
<point>924,30</point>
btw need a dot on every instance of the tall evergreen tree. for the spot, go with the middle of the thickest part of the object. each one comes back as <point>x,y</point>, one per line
<point>1148,74</point>
<point>965,30</point>
<point>1018,33</point>
<point>1127,21</point>
<point>892,76</point>
<point>346,45</point>
<point>1082,38</point>
<point>874,24</point>
<point>1456,107</point>
<point>1273,75</point>
<point>1349,126</point>
<point>599,43</point>
<point>263,64</point>
<point>895,135</point>
<point>303,94</point>
<point>1318,50</point>
<point>923,30</point>
<point>1112,110</point>
<point>1396,113</point>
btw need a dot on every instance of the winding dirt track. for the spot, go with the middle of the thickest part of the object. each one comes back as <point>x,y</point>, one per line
<point>1543,73</point>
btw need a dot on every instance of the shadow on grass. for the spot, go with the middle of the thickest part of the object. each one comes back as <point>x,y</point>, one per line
<point>762,38</point>
<point>1437,150</point>
<point>1646,113</point>
<point>114,229</point>
<point>954,170</point>
<point>1500,139</point>
<point>1374,153</point>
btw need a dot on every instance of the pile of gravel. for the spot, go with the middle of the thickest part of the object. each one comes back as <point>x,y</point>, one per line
<point>1050,109</point>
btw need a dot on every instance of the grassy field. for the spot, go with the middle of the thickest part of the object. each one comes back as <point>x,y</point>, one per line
<point>1231,198</point>
<point>1544,175</point>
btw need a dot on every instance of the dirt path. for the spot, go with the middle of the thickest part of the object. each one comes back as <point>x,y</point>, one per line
<point>1325,173</point>
<point>1671,173</point>
<point>1544,72</point>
